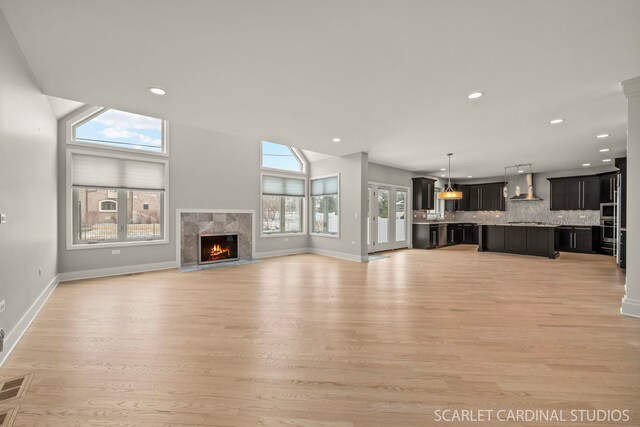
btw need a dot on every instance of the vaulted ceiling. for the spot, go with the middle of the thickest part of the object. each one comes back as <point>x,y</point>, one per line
<point>387,77</point>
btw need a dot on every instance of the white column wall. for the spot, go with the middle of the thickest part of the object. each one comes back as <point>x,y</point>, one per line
<point>631,301</point>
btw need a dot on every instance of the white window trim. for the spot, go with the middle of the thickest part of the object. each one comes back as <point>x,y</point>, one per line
<point>87,113</point>
<point>107,210</point>
<point>305,203</point>
<point>328,235</point>
<point>69,198</point>
<point>296,152</point>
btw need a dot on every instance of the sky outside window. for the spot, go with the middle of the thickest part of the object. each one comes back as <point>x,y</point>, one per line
<point>277,156</point>
<point>123,130</point>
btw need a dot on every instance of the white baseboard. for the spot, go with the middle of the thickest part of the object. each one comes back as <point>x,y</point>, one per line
<point>18,331</point>
<point>341,255</point>
<point>116,271</point>
<point>630,307</point>
<point>315,251</point>
<point>284,252</point>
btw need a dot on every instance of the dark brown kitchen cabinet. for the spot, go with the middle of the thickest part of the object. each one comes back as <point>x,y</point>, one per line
<point>478,197</point>
<point>464,203</point>
<point>581,239</point>
<point>486,197</point>
<point>475,198</point>
<point>486,191</point>
<point>423,193</point>
<point>467,233</point>
<point>497,197</point>
<point>608,188</point>
<point>591,193</point>
<point>575,193</point>
<point>425,236</point>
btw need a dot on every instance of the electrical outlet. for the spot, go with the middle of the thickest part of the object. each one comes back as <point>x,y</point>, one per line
<point>115,252</point>
<point>3,219</point>
<point>1,339</point>
<point>2,305</point>
<point>40,271</point>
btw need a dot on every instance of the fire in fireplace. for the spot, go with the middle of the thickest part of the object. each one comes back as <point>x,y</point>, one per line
<point>218,247</point>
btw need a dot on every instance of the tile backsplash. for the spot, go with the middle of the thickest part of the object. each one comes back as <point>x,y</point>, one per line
<point>533,211</point>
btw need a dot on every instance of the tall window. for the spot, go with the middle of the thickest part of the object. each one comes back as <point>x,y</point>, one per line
<point>123,130</point>
<point>325,205</point>
<point>282,157</point>
<point>401,216</point>
<point>282,204</point>
<point>116,199</point>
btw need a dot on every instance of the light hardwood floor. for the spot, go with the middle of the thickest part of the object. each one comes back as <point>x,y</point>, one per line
<point>315,341</point>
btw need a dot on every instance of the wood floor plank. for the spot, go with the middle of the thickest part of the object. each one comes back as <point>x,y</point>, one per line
<point>308,340</point>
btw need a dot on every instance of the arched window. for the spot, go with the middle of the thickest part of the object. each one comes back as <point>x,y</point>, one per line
<point>108,206</point>
<point>123,130</point>
<point>281,157</point>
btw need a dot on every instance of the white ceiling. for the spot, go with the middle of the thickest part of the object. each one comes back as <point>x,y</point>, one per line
<point>388,77</point>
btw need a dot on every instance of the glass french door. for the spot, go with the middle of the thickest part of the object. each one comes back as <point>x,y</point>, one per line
<point>387,217</point>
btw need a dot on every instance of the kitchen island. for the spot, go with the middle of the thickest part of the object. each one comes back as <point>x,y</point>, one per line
<point>523,239</point>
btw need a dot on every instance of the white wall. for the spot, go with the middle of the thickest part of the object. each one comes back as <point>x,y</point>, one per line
<point>27,186</point>
<point>390,175</point>
<point>208,170</point>
<point>353,170</point>
<point>631,300</point>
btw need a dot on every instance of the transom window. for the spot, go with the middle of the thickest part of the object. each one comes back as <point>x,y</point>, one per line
<point>120,129</point>
<point>281,157</point>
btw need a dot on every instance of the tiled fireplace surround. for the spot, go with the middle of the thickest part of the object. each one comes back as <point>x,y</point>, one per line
<point>192,224</point>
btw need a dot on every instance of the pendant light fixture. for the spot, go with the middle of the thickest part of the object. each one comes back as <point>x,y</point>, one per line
<point>449,193</point>
<point>505,189</point>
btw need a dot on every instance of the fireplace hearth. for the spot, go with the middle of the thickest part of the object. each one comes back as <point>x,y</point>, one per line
<point>217,248</point>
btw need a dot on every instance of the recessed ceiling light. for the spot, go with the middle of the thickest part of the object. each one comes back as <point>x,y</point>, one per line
<point>586,164</point>
<point>602,135</point>
<point>606,160</point>
<point>443,175</point>
<point>604,150</point>
<point>469,176</point>
<point>157,91</point>
<point>475,95</point>
<point>336,140</point>
<point>520,171</point>
<point>556,121</point>
<point>443,169</point>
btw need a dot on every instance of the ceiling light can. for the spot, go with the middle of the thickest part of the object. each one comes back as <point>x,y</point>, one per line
<point>157,91</point>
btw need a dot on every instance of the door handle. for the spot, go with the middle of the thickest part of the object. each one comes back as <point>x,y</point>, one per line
<point>579,198</point>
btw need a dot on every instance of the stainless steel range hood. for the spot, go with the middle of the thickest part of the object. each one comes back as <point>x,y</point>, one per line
<point>525,182</point>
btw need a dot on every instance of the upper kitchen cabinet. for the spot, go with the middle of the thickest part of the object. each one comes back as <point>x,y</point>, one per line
<point>486,197</point>
<point>608,187</point>
<point>423,193</point>
<point>575,193</point>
